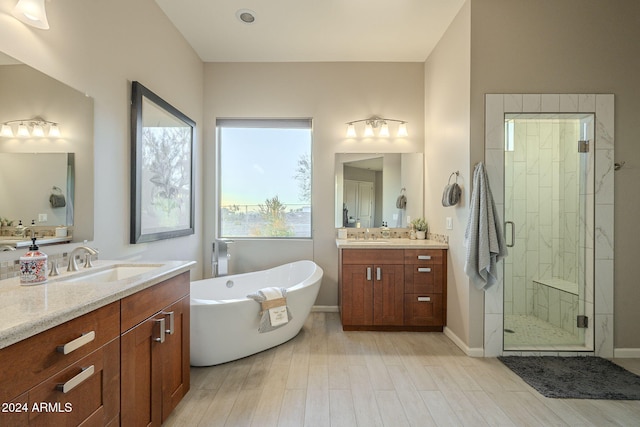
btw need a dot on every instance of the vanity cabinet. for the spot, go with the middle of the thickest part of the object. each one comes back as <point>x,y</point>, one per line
<point>392,289</point>
<point>126,363</point>
<point>67,375</point>
<point>155,351</point>
<point>373,287</point>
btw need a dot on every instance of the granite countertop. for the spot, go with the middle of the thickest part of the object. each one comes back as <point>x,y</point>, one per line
<point>28,310</point>
<point>390,244</point>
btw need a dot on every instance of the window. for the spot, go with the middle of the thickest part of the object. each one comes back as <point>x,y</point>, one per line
<point>265,178</point>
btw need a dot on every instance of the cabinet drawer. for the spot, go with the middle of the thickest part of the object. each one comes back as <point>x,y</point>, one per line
<point>423,310</point>
<point>144,304</point>
<point>28,362</point>
<point>91,391</point>
<point>372,256</point>
<point>423,256</point>
<point>423,279</point>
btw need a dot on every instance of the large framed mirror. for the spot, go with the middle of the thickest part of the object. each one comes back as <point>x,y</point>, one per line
<point>368,186</point>
<point>34,164</point>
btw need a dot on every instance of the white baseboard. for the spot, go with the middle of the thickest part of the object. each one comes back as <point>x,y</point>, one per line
<point>325,308</point>
<point>625,353</point>
<point>471,352</point>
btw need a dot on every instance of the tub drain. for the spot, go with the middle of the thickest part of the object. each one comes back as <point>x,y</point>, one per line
<point>229,283</point>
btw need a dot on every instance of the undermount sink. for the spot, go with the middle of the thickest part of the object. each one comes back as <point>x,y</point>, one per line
<point>112,273</point>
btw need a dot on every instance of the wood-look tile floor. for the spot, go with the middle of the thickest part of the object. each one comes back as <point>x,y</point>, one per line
<point>327,377</point>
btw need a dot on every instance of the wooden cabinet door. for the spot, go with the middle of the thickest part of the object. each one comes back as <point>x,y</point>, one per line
<point>357,294</point>
<point>372,294</point>
<point>141,373</point>
<point>388,295</point>
<point>175,357</point>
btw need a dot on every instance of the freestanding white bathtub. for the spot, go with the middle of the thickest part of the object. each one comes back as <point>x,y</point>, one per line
<point>224,322</point>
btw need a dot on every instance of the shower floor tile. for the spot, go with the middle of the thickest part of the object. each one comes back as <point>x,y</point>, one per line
<point>530,331</point>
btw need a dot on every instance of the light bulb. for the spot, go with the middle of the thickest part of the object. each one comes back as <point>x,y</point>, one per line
<point>6,131</point>
<point>54,130</point>
<point>23,130</point>
<point>368,130</point>
<point>402,130</point>
<point>351,131</point>
<point>384,130</point>
<point>37,130</point>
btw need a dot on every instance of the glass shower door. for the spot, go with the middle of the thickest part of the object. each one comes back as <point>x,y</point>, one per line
<point>549,194</point>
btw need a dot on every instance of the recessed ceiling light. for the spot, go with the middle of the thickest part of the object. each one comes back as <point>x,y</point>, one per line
<point>247,16</point>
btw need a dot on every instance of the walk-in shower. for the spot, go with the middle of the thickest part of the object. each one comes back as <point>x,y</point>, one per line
<point>548,214</point>
<point>550,163</point>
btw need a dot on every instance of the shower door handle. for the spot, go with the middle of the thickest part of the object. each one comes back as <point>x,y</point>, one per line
<point>513,230</point>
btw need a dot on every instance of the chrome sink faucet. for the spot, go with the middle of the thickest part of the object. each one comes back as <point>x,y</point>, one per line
<point>73,266</point>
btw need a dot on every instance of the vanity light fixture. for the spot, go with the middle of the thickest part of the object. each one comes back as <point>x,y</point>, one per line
<point>36,127</point>
<point>31,12</point>
<point>375,122</point>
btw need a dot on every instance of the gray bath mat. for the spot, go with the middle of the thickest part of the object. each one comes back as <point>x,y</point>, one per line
<point>575,377</point>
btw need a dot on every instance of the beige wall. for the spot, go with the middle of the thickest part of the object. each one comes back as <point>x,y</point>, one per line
<point>99,48</point>
<point>571,46</point>
<point>447,110</point>
<point>331,94</point>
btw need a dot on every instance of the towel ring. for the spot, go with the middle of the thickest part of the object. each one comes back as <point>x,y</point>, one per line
<point>456,173</point>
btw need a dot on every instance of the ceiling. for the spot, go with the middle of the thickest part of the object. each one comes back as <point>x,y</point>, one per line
<point>312,30</point>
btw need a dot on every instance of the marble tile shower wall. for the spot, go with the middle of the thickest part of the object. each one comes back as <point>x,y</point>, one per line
<point>542,199</point>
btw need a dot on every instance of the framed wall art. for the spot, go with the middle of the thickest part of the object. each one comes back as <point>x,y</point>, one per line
<point>162,168</point>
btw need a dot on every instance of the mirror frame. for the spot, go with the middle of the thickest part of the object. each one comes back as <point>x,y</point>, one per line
<point>139,96</point>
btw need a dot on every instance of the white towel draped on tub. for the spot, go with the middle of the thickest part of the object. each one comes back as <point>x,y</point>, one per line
<point>483,237</point>
<point>275,312</point>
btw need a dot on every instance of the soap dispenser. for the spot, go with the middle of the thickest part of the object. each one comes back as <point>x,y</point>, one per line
<point>33,266</point>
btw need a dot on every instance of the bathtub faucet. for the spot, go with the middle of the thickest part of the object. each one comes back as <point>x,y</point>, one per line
<point>220,257</point>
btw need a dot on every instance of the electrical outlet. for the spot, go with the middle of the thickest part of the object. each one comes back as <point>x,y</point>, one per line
<point>449,223</point>
<point>42,217</point>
